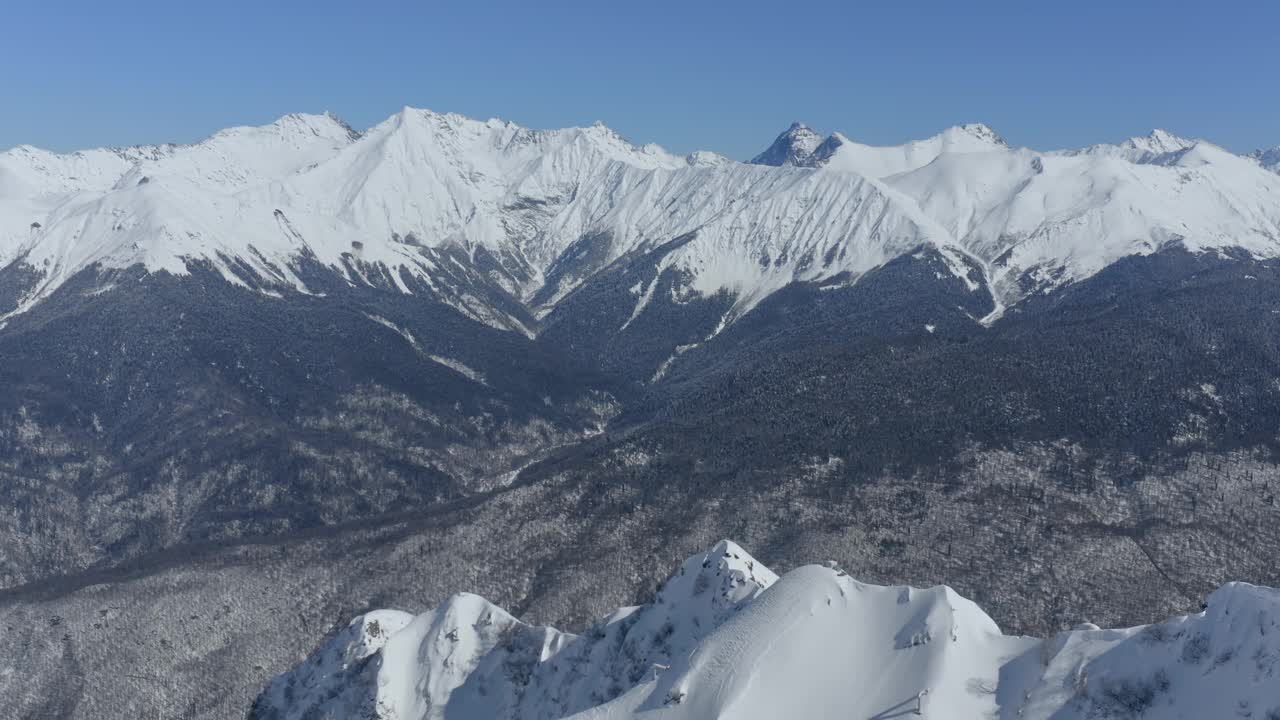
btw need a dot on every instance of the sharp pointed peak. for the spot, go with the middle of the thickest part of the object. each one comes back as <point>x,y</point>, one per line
<point>798,128</point>
<point>792,146</point>
<point>1161,138</point>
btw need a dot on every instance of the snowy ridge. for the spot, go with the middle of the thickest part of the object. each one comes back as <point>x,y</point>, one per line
<point>841,153</point>
<point>444,204</point>
<point>403,193</point>
<point>1041,220</point>
<point>724,637</point>
<point>800,146</point>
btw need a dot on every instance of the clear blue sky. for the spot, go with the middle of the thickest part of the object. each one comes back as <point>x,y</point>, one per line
<point>724,76</point>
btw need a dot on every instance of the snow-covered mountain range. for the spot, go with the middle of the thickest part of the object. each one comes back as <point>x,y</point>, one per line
<point>437,203</point>
<point>1048,379</point>
<point>725,637</point>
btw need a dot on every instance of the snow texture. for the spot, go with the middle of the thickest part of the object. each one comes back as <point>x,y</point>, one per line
<point>726,638</point>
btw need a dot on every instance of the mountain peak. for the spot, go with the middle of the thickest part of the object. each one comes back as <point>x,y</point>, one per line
<point>984,132</point>
<point>794,146</point>
<point>1159,142</point>
<point>324,124</point>
<point>600,129</point>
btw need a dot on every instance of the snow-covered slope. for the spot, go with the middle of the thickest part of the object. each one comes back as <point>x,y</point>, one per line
<point>840,153</point>
<point>442,203</point>
<point>34,182</point>
<point>1149,148</point>
<point>725,638</point>
<point>469,658</point>
<point>802,147</point>
<point>1053,218</point>
<point>421,182</point>
<point>247,156</point>
<point>1038,220</point>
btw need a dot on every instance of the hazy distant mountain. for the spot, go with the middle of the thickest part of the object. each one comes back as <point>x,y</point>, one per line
<point>794,146</point>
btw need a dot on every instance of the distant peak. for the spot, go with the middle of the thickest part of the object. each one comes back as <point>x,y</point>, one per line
<point>600,133</point>
<point>299,117</point>
<point>422,117</point>
<point>984,132</point>
<point>409,114</point>
<point>1161,141</point>
<point>793,146</point>
<point>292,125</point>
<point>800,130</point>
<point>314,123</point>
<point>600,128</point>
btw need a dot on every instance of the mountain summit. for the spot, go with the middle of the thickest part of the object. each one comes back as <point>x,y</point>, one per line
<point>794,146</point>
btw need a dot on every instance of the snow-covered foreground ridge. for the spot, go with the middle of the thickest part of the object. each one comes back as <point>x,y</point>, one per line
<point>531,208</point>
<point>726,638</point>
